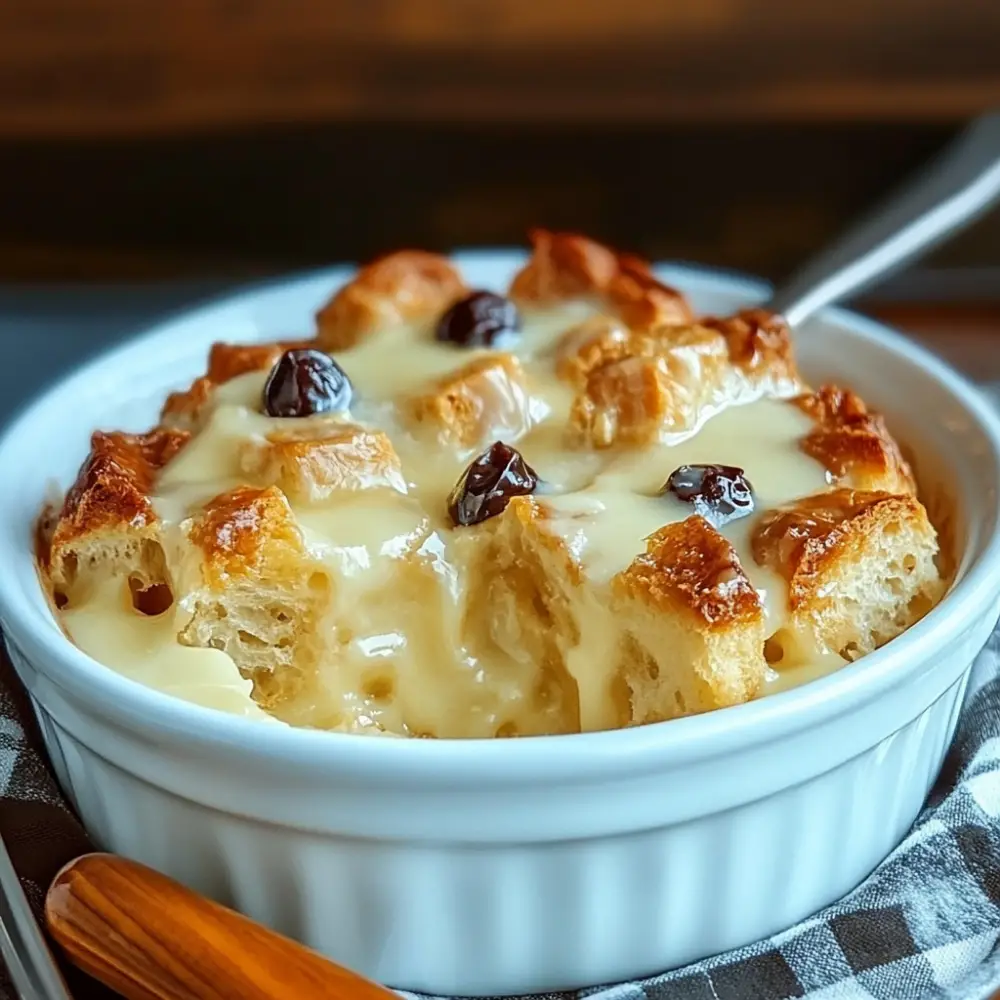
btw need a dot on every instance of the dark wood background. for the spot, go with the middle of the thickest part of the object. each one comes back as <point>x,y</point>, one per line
<point>155,66</point>
<point>157,138</point>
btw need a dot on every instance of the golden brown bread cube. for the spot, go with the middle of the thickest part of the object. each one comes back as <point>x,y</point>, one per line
<point>257,594</point>
<point>860,567</point>
<point>630,402</point>
<point>638,385</point>
<point>853,443</point>
<point>692,625</point>
<point>310,460</point>
<point>759,344</point>
<point>397,288</point>
<point>654,385</point>
<point>679,631</point>
<point>484,400</point>
<point>107,525</point>
<point>642,300</point>
<point>184,410</point>
<point>569,266</point>
<point>596,342</point>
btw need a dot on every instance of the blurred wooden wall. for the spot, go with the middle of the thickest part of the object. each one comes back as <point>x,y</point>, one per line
<point>73,67</point>
<point>155,137</point>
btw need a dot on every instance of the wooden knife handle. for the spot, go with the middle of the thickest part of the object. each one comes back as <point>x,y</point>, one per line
<point>150,938</point>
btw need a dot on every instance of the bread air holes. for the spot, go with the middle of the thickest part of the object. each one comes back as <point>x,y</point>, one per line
<point>152,600</point>
<point>250,640</point>
<point>774,650</point>
<point>851,652</point>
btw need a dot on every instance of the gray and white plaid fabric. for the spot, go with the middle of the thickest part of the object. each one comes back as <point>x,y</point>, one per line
<point>925,924</point>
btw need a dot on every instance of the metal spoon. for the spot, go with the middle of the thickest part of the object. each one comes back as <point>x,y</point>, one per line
<point>940,200</point>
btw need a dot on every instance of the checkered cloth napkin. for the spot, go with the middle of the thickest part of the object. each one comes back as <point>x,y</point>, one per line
<point>925,924</point>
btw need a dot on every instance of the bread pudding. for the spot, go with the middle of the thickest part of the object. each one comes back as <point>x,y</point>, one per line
<point>449,512</point>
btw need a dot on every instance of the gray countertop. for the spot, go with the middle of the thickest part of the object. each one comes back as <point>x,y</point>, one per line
<point>47,331</point>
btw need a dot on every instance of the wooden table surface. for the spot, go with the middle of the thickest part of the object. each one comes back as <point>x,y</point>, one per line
<point>967,335</point>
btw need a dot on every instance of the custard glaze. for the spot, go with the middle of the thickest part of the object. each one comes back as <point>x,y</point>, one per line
<point>399,664</point>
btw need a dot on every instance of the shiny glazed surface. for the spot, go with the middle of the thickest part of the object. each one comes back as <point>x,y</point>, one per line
<point>411,635</point>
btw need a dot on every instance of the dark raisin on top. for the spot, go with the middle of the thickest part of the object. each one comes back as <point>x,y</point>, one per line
<point>720,493</point>
<point>487,485</point>
<point>481,319</point>
<point>305,382</point>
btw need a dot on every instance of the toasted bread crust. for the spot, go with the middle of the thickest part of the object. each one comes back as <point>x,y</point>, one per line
<point>626,402</point>
<point>860,567</point>
<point>486,398</point>
<point>563,266</point>
<point>113,486</point>
<point>597,341</point>
<point>853,443</point>
<point>107,523</point>
<point>643,301</point>
<point>312,461</point>
<point>638,384</point>
<point>225,362</point>
<point>396,288</point>
<point>243,533</point>
<point>802,541</point>
<point>688,565</point>
<point>759,342</point>
<point>567,265</point>
<point>655,382</point>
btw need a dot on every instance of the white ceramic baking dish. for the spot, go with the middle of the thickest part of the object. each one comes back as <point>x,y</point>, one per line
<point>508,866</point>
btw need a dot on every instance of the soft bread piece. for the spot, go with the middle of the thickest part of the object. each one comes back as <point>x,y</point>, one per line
<point>657,386</point>
<point>484,400</point>
<point>310,460</point>
<point>397,288</point>
<point>260,596</point>
<point>522,583</point>
<point>568,266</point>
<point>107,525</point>
<point>185,410</point>
<point>860,569</point>
<point>759,344</point>
<point>595,343</point>
<point>637,386</point>
<point>687,626</point>
<point>692,625</point>
<point>854,443</point>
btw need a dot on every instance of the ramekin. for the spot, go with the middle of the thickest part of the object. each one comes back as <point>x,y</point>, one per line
<point>511,866</point>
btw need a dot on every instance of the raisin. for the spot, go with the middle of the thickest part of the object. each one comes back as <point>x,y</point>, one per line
<point>305,382</point>
<point>482,319</point>
<point>487,485</point>
<point>720,493</point>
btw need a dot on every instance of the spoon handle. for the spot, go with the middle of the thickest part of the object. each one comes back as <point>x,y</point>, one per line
<point>150,938</point>
<point>944,197</point>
